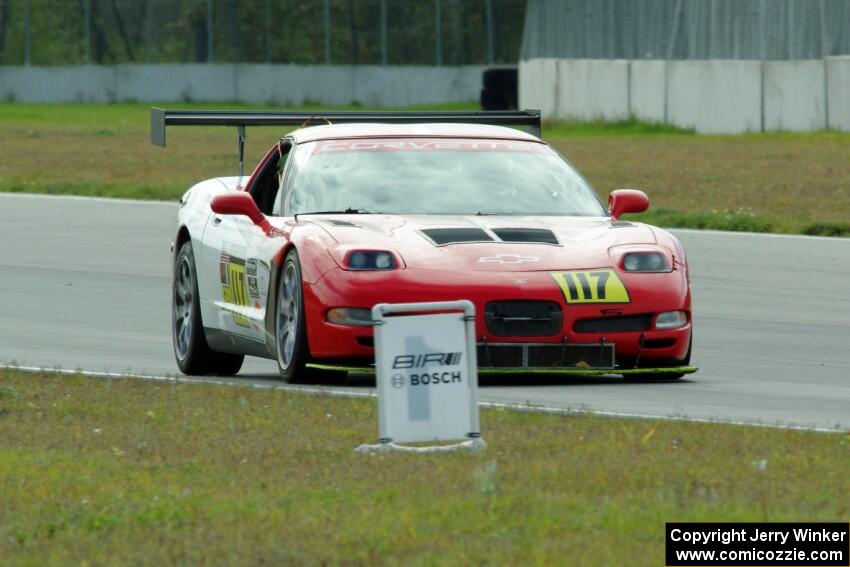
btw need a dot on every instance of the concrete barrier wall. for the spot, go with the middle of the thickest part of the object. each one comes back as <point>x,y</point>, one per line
<point>711,96</point>
<point>647,84</point>
<point>715,96</point>
<point>260,84</point>
<point>592,89</point>
<point>173,83</point>
<point>57,84</point>
<point>838,92</point>
<point>538,86</point>
<point>719,96</point>
<point>794,95</point>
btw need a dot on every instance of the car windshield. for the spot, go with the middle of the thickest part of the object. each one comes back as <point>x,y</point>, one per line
<point>436,176</point>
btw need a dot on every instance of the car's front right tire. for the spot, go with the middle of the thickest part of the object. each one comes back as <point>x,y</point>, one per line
<point>191,351</point>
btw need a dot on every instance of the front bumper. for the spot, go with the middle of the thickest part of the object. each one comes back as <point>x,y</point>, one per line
<point>648,348</point>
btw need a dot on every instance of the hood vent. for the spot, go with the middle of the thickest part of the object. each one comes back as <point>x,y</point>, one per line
<point>531,235</point>
<point>334,222</point>
<point>441,236</point>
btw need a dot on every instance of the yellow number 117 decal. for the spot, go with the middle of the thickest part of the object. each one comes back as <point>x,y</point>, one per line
<point>592,286</point>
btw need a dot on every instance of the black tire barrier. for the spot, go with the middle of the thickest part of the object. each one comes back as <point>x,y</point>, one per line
<point>501,89</point>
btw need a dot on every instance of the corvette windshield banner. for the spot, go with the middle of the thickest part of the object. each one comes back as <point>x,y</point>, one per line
<point>427,145</point>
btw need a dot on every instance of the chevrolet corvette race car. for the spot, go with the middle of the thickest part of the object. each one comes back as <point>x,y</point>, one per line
<point>369,208</point>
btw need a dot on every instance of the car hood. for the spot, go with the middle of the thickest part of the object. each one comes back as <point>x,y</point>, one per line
<point>486,243</point>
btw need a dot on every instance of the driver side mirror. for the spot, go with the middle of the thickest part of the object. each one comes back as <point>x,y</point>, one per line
<point>624,201</point>
<point>239,203</point>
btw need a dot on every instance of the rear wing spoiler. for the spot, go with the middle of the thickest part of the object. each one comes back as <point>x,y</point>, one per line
<point>161,119</point>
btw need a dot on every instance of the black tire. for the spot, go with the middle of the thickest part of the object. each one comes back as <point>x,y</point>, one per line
<point>500,89</point>
<point>663,376</point>
<point>290,328</point>
<point>500,78</point>
<point>493,100</point>
<point>191,351</point>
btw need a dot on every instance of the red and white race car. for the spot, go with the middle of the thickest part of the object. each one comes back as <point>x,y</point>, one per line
<point>407,207</point>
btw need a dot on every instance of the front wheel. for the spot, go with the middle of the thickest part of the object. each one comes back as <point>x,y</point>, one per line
<point>191,351</point>
<point>290,322</point>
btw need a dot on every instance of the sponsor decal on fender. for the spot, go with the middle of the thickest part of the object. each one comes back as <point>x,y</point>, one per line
<point>233,288</point>
<point>251,271</point>
<point>592,286</point>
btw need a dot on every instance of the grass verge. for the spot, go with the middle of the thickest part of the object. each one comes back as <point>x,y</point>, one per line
<point>127,472</point>
<point>742,220</point>
<point>778,182</point>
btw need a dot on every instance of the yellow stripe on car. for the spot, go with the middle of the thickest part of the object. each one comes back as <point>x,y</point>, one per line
<point>592,286</point>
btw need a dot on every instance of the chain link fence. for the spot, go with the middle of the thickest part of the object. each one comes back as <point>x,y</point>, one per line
<point>687,29</point>
<point>340,32</point>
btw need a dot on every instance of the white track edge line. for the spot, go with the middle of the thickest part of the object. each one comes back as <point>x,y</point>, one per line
<point>757,234</point>
<point>117,200</point>
<point>335,392</point>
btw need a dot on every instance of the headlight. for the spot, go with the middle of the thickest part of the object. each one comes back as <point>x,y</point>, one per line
<point>671,320</point>
<point>370,260</point>
<point>645,262</point>
<point>353,316</point>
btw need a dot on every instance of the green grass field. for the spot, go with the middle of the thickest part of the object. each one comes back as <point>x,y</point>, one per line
<point>780,182</point>
<point>126,472</point>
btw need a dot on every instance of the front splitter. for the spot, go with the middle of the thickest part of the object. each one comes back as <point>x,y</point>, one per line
<point>549,371</point>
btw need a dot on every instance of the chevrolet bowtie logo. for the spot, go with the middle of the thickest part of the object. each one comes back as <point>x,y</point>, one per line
<point>507,259</point>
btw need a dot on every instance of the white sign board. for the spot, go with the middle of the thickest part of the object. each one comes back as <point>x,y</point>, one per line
<point>426,372</point>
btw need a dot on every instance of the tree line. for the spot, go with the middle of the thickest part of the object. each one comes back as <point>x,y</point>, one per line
<point>397,32</point>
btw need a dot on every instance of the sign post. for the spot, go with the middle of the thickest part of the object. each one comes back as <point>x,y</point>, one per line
<point>427,376</point>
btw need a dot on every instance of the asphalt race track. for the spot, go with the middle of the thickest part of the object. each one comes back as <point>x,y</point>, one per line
<point>85,285</point>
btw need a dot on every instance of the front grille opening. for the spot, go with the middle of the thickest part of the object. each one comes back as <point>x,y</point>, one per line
<point>442,236</point>
<point>659,343</point>
<point>532,235</point>
<point>523,318</point>
<point>500,356</point>
<point>546,356</point>
<point>578,356</point>
<point>365,341</point>
<point>621,324</point>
